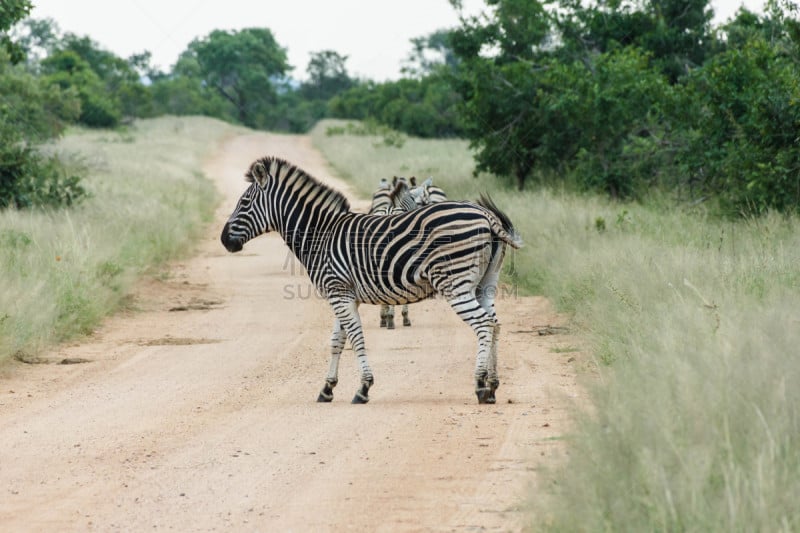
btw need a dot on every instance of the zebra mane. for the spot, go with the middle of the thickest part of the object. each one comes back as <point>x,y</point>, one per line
<point>282,171</point>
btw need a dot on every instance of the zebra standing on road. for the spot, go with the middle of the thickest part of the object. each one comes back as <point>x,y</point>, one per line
<point>402,197</point>
<point>383,203</point>
<point>454,249</point>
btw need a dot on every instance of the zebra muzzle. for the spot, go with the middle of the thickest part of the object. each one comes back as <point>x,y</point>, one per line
<point>231,244</point>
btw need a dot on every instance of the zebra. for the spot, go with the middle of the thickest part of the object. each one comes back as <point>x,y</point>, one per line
<point>402,198</point>
<point>384,202</point>
<point>381,199</point>
<point>453,249</point>
<point>433,193</point>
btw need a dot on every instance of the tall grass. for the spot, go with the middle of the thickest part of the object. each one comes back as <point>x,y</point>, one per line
<point>694,324</point>
<point>62,270</point>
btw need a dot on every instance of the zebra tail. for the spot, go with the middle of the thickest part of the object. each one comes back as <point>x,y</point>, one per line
<point>505,229</point>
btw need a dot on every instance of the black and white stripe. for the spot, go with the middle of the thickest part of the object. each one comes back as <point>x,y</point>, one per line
<point>454,249</point>
<point>394,199</point>
<point>433,194</point>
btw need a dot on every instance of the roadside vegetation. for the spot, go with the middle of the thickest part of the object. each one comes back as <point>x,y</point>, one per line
<point>619,99</point>
<point>691,326</point>
<point>65,268</point>
<point>650,160</point>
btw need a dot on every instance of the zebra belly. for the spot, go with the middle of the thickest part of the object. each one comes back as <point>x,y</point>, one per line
<point>411,296</point>
<point>381,290</point>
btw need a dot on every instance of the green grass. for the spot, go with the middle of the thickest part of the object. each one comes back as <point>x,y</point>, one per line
<point>694,326</point>
<point>64,270</point>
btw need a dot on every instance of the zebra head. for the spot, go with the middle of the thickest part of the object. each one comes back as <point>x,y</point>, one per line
<point>421,194</point>
<point>251,216</point>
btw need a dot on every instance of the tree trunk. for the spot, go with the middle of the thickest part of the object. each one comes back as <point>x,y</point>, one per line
<point>520,181</point>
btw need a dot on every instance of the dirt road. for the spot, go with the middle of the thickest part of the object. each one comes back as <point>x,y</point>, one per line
<point>197,411</point>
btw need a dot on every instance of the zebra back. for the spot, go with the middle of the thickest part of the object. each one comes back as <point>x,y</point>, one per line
<point>381,199</point>
<point>436,194</point>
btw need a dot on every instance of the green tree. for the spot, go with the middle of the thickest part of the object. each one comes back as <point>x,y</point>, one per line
<point>67,70</point>
<point>677,33</point>
<point>184,92</point>
<point>503,91</point>
<point>327,76</point>
<point>429,54</point>
<point>609,104</point>
<point>37,38</point>
<point>425,107</point>
<point>743,111</point>
<point>247,68</point>
<point>12,11</point>
<point>30,112</point>
<point>126,94</point>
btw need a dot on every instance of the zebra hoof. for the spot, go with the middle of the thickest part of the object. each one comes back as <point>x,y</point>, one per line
<point>406,322</point>
<point>390,324</point>
<point>360,398</point>
<point>383,322</point>
<point>326,395</point>
<point>485,395</point>
<point>362,395</point>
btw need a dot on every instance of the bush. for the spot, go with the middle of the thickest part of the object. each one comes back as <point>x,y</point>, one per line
<point>745,111</point>
<point>425,107</point>
<point>67,70</point>
<point>32,111</point>
<point>28,178</point>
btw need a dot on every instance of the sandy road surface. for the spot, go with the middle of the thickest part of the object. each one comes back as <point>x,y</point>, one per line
<point>197,412</point>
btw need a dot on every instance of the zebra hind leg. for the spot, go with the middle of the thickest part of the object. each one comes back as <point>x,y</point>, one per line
<point>471,312</point>
<point>384,315</point>
<point>485,384</point>
<point>389,317</point>
<point>406,321</point>
<point>486,380</point>
<point>492,380</point>
<point>338,339</point>
<point>486,294</point>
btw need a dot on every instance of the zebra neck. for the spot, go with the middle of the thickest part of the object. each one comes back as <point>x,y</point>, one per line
<point>306,225</point>
<point>306,245</point>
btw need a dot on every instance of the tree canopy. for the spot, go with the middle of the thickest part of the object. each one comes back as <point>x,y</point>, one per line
<point>623,97</point>
<point>620,97</point>
<point>244,67</point>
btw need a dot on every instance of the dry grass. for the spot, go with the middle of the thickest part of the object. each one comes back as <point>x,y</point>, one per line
<point>694,326</point>
<point>63,270</point>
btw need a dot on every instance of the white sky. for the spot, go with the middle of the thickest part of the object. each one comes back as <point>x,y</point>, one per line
<point>374,34</point>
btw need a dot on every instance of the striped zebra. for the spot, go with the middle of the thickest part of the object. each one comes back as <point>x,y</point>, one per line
<point>433,193</point>
<point>454,249</point>
<point>395,199</point>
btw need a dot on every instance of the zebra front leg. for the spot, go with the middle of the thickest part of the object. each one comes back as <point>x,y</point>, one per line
<point>406,321</point>
<point>347,315</point>
<point>337,345</point>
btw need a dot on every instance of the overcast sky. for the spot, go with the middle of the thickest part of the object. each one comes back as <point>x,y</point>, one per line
<point>373,34</point>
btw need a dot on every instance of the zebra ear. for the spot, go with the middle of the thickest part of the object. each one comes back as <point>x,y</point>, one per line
<point>259,173</point>
<point>427,183</point>
<point>413,180</point>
